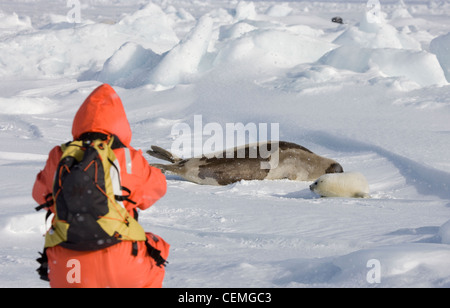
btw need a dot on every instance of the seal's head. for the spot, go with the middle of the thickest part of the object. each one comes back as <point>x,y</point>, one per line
<point>335,168</point>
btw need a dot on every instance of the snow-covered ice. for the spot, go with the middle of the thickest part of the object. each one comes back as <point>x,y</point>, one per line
<point>374,96</point>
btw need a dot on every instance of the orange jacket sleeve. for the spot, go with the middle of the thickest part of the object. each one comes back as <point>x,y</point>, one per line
<point>147,184</point>
<point>44,180</point>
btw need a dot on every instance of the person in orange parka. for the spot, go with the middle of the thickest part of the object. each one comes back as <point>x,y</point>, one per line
<point>103,112</point>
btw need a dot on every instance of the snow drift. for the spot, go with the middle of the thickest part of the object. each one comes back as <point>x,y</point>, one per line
<point>441,47</point>
<point>129,66</point>
<point>418,66</point>
<point>359,48</point>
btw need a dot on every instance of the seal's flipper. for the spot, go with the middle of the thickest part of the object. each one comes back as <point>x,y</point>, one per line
<point>160,153</point>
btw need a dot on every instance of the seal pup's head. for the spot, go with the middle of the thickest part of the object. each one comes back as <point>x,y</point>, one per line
<point>345,185</point>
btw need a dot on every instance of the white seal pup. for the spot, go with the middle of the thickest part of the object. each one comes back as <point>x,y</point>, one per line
<point>345,185</point>
<point>293,162</point>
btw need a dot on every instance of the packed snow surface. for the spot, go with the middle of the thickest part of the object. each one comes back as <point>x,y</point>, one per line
<point>372,93</point>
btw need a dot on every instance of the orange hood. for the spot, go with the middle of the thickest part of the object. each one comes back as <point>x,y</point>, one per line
<point>102,112</point>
